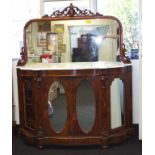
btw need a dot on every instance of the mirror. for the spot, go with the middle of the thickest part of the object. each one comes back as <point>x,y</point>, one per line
<point>57,106</point>
<point>73,40</point>
<point>73,35</point>
<point>117,103</point>
<point>85,106</point>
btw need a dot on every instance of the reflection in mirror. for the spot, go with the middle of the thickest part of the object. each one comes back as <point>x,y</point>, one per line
<point>85,106</point>
<point>57,106</point>
<point>117,103</point>
<point>73,40</point>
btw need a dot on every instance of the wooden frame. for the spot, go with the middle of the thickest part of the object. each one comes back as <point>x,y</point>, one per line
<point>67,14</point>
<point>52,42</point>
<point>44,26</point>
<point>41,39</point>
<point>29,36</point>
<point>59,28</point>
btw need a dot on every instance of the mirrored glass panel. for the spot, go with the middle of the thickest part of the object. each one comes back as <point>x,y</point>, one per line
<point>85,106</point>
<point>117,103</point>
<point>73,40</point>
<point>57,106</point>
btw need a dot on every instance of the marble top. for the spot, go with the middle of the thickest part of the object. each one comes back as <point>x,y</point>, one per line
<point>73,65</point>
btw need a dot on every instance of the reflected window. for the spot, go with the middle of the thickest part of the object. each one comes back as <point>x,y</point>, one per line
<point>128,13</point>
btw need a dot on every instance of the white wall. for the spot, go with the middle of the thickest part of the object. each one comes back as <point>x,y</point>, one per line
<point>22,11</point>
<point>140,71</point>
<point>15,91</point>
<point>135,90</point>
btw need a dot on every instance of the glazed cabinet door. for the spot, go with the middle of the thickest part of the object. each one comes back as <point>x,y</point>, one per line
<point>86,107</point>
<point>27,103</point>
<point>71,106</point>
<point>56,108</point>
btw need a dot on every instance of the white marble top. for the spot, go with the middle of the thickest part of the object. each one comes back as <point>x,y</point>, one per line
<point>73,65</point>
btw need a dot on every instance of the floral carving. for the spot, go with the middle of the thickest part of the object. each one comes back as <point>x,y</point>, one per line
<point>72,11</point>
<point>23,57</point>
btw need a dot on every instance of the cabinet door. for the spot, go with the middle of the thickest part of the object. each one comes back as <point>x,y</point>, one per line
<point>56,113</point>
<point>28,102</point>
<point>86,107</point>
<point>71,106</point>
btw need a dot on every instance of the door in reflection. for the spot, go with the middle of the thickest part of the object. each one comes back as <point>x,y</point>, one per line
<point>57,106</point>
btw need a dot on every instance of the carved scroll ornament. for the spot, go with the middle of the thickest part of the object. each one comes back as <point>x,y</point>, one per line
<point>72,11</point>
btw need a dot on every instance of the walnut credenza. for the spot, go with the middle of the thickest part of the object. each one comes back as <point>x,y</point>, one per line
<point>34,84</point>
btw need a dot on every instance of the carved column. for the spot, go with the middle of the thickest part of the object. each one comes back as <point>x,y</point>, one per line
<point>105,101</point>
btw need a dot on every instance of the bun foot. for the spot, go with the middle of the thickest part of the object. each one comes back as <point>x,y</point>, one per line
<point>105,146</point>
<point>40,146</point>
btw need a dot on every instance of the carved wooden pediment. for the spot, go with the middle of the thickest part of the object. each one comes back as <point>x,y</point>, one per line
<point>72,11</point>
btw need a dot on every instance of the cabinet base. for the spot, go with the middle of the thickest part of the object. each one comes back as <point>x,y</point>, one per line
<point>112,138</point>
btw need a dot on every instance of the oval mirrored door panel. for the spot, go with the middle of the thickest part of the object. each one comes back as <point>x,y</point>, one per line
<point>117,103</point>
<point>57,106</point>
<point>85,106</point>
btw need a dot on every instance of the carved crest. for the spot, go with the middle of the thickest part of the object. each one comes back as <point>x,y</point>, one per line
<point>23,57</point>
<point>72,11</point>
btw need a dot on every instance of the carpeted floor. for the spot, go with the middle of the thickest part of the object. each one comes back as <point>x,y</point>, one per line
<point>130,147</point>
